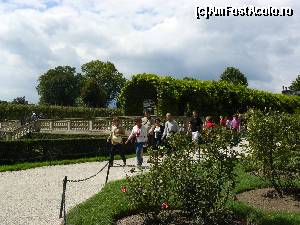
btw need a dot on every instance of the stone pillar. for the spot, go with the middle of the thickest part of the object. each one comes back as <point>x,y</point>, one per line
<point>69,125</point>
<point>51,125</point>
<point>90,125</point>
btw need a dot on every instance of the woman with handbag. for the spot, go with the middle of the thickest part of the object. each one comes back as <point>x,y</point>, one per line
<point>140,134</point>
<point>115,138</point>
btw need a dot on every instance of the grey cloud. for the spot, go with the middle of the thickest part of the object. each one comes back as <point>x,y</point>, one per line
<point>154,37</point>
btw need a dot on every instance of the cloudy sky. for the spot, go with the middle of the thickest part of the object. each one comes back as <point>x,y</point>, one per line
<point>152,36</point>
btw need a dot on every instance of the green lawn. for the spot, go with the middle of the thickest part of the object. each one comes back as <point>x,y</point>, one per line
<point>30,165</point>
<point>110,204</point>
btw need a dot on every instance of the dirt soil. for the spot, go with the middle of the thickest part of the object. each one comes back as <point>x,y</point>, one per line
<point>268,200</point>
<point>174,217</point>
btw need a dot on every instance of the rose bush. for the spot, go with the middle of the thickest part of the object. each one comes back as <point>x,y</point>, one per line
<point>198,185</point>
<point>274,147</point>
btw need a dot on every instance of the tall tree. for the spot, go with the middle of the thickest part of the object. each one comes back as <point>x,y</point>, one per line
<point>59,86</point>
<point>234,76</point>
<point>295,86</point>
<point>20,100</point>
<point>106,75</point>
<point>92,94</point>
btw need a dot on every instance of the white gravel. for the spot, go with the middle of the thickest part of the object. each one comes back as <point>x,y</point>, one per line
<point>32,197</point>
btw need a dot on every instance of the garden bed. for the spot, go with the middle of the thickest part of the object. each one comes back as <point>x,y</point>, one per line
<point>110,205</point>
<point>169,217</point>
<point>268,200</point>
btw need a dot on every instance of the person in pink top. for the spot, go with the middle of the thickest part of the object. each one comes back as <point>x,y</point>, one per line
<point>235,123</point>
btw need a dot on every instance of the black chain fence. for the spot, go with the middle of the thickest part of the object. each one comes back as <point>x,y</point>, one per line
<point>62,212</point>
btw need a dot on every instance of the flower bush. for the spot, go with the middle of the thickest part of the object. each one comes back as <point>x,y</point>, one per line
<point>199,185</point>
<point>274,147</point>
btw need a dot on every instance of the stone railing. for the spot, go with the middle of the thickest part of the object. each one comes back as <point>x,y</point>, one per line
<point>98,126</point>
<point>22,131</point>
<point>10,125</point>
<point>101,125</point>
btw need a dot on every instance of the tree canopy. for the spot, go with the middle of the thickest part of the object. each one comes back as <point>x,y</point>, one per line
<point>106,75</point>
<point>59,86</point>
<point>295,86</point>
<point>20,100</point>
<point>93,94</point>
<point>234,75</point>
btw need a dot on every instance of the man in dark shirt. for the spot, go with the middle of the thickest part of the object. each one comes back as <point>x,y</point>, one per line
<point>195,126</point>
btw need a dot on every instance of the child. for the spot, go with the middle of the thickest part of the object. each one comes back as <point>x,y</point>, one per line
<point>222,121</point>
<point>139,132</point>
<point>158,132</point>
<point>115,138</point>
<point>228,123</point>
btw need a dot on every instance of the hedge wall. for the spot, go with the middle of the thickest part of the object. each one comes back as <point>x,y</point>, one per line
<point>208,97</point>
<point>38,135</point>
<point>18,111</point>
<point>54,149</point>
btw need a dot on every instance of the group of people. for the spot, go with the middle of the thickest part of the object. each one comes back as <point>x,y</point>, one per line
<point>150,132</point>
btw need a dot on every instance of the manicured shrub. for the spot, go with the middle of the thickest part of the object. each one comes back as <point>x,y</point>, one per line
<point>54,149</point>
<point>18,111</point>
<point>274,147</point>
<point>38,135</point>
<point>208,97</point>
<point>200,187</point>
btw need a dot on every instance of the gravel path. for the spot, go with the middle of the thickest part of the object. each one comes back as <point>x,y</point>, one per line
<point>32,197</point>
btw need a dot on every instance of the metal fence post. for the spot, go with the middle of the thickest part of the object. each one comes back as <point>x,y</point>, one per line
<point>62,213</point>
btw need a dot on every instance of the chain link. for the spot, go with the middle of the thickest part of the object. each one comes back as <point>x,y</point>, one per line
<point>87,178</point>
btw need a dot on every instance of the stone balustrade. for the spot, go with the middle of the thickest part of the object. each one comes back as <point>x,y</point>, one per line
<point>101,125</point>
<point>22,131</point>
<point>9,125</point>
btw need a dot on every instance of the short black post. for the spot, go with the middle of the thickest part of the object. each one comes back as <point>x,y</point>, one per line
<point>108,168</point>
<point>62,213</point>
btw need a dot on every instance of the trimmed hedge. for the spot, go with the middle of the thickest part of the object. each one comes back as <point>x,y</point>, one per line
<point>54,149</point>
<point>208,97</point>
<point>17,111</point>
<point>38,135</point>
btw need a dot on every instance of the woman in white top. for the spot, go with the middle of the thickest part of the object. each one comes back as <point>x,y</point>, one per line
<point>139,132</point>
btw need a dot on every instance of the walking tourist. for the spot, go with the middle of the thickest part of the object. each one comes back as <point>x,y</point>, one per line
<point>148,123</point>
<point>195,126</point>
<point>223,121</point>
<point>209,123</point>
<point>115,138</point>
<point>235,123</point>
<point>140,136</point>
<point>158,132</point>
<point>171,126</point>
<point>228,122</point>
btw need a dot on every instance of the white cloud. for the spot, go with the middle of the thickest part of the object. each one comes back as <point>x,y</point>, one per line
<point>162,37</point>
